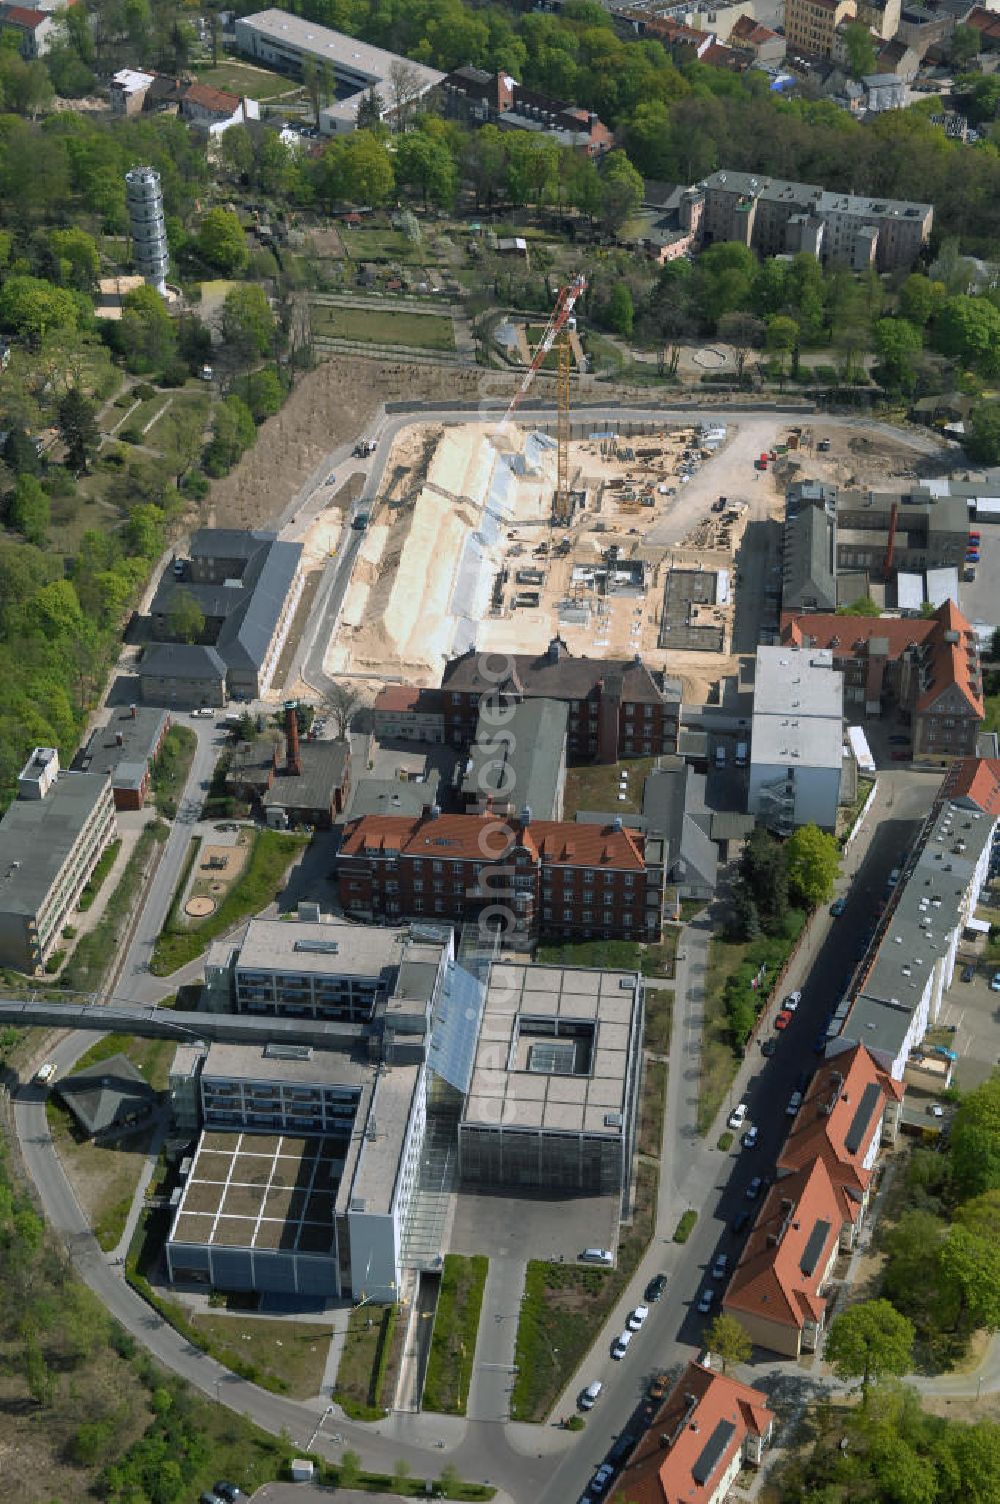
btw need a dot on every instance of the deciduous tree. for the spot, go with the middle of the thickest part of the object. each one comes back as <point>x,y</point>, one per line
<point>868,1340</point>
<point>813,858</point>
<point>728,1339</point>
<point>222,243</point>
<point>78,429</point>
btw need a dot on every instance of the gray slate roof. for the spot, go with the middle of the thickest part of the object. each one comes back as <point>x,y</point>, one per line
<point>519,761</point>
<point>37,835</point>
<point>559,676</point>
<point>246,634</point>
<point>181,660</point>
<point>106,1093</point>
<point>323,765</point>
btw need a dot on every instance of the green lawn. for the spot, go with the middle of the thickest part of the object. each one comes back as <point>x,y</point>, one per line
<point>652,1106</point>
<point>360,1382</point>
<point>93,885</point>
<point>385,247</point>
<point>243,78</point>
<point>88,965</point>
<point>659,1019</point>
<point>171,768</point>
<point>260,882</point>
<point>595,786</point>
<point>380,326</point>
<point>456,1326</point>
<point>614,955</point>
<point>292,1353</point>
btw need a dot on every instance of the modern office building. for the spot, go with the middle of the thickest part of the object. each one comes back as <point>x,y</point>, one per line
<point>278,39</point>
<point>797,740</point>
<point>147,226</point>
<point>51,839</point>
<point>552,1098</point>
<point>321,968</point>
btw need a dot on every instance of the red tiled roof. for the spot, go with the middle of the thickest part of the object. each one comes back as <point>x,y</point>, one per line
<point>485,838</point>
<point>823,1126</point>
<point>978,780</point>
<point>748,32</point>
<point>952,662</point>
<point>22,16</point>
<point>769,1280</point>
<point>698,1404</point>
<point>208,98</point>
<point>398,697</point>
<point>985,21</point>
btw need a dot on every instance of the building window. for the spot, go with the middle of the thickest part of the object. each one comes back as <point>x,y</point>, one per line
<point>567,914</point>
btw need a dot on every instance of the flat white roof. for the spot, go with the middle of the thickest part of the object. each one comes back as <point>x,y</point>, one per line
<point>798,709</point>
<point>333,47</point>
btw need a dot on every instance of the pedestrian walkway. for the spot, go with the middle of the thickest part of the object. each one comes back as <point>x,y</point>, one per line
<point>119,1253</point>
<point>494,1371</point>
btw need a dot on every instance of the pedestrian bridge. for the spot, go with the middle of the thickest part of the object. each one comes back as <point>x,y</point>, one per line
<point>169,1023</point>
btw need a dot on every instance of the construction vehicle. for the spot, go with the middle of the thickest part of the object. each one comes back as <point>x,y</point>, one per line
<point>557,329</point>
<point>363,449</point>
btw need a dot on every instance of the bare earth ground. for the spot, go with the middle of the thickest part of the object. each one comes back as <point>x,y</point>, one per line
<point>330,406</point>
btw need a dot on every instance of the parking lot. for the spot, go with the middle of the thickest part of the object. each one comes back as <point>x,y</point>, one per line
<point>978,600</point>
<point>975,1011</point>
<point>542,1226</point>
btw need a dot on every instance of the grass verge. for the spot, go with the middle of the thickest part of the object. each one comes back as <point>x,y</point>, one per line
<point>87,967</point>
<point>292,1353</point>
<point>93,886</point>
<point>363,1361</point>
<point>259,883</point>
<point>615,955</point>
<point>456,1326</point>
<point>659,1019</point>
<point>652,1107</point>
<point>170,771</point>
<point>565,1305</point>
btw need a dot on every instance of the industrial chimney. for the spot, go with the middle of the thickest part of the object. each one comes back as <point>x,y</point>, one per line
<point>293,761</point>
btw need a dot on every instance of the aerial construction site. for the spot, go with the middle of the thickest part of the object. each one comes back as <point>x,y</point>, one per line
<point>475,541</point>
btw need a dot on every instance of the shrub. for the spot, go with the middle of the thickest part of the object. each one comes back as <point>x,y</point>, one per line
<point>575,1423</point>
<point>685,1226</point>
<point>175,374</point>
<point>144,391</point>
<point>133,434</point>
<point>725,1141</point>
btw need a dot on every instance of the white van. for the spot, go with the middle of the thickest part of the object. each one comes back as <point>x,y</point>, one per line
<point>45,1073</point>
<point>597,1256</point>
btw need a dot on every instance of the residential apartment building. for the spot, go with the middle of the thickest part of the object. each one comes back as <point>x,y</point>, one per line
<point>51,839</point>
<point>852,1107</point>
<point>923,669</point>
<point>797,739</point>
<point>896,991</point>
<point>125,750</point>
<point>33,30</point>
<point>880,16</point>
<point>706,1430</point>
<point>811,24</point>
<point>481,98</point>
<point>408,715</point>
<point>775,216</point>
<point>617,708</point>
<point>777,1292</point>
<point>524,877</point>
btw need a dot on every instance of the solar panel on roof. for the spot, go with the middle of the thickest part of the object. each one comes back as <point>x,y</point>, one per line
<point>862,1117</point>
<point>815,1246</point>
<point>713,1452</point>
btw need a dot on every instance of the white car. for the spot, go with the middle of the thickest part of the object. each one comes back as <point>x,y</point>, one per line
<point>591,1395</point>
<point>794,1103</point>
<point>705,1300</point>
<point>936,1110</point>
<point>721,1267</point>
<point>792,1001</point>
<point>621,1343</point>
<point>738,1116</point>
<point>637,1317</point>
<point>45,1073</point>
<point>602,1478</point>
<point>750,1137</point>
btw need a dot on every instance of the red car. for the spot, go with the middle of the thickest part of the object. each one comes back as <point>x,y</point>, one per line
<point>783,1019</point>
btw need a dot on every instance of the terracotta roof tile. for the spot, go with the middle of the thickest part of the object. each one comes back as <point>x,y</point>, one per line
<point>22,16</point>
<point>978,780</point>
<point>208,98</point>
<point>485,838</point>
<point>700,1402</point>
<point>781,1267</point>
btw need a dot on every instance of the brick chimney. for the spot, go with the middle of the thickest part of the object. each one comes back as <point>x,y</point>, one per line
<point>293,761</point>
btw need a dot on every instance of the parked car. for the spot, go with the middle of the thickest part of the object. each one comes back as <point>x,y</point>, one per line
<point>621,1343</point>
<point>820,1042</point>
<point>588,1399</point>
<point>794,1103</point>
<point>658,1387</point>
<point>721,1267</point>
<point>837,907</point>
<point>768,1046</point>
<point>739,1222</point>
<point>738,1115</point>
<point>893,877</point>
<point>597,1256</point>
<point>750,1137</point>
<point>968,973</point>
<point>792,1001</point>
<point>229,1492</point>
<point>936,1110</point>
<point>637,1318</point>
<point>706,1300</point>
<point>655,1289</point>
<point>754,1188</point>
<point>783,1019</point>
<point>45,1073</point>
<point>602,1478</point>
<point>995,984</point>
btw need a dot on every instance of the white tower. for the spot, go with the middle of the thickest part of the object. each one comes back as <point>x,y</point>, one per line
<point>146,224</point>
